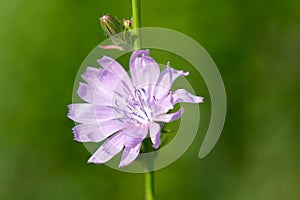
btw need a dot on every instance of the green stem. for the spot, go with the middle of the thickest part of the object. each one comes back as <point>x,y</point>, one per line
<point>149,185</point>
<point>136,22</point>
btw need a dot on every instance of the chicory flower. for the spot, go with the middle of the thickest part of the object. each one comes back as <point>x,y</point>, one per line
<point>123,110</point>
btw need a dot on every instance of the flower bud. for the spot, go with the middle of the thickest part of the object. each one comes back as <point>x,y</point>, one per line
<point>111,25</point>
<point>127,24</point>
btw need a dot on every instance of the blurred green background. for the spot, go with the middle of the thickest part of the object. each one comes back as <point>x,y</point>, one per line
<point>256,46</point>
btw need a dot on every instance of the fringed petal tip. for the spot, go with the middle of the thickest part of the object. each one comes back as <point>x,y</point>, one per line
<point>91,75</point>
<point>155,133</point>
<point>200,99</point>
<point>182,95</point>
<point>169,117</point>
<point>144,70</point>
<point>175,71</point>
<point>114,68</point>
<point>105,61</point>
<point>76,135</point>
<point>124,164</point>
<point>156,146</point>
<point>129,155</point>
<point>86,92</point>
<point>70,115</point>
<point>71,112</point>
<point>139,53</point>
<point>108,62</point>
<point>94,161</point>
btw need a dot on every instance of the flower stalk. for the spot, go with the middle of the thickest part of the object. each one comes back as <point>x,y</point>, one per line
<point>149,185</point>
<point>136,22</point>
<point>136,19</point>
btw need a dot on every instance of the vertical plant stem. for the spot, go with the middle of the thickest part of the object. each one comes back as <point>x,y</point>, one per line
<point>136,22</point>
<point>149,174</point>
<point>149,185</point>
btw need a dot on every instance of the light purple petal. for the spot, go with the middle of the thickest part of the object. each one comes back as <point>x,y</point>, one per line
<point>96,132</point>
<point>88,133</point>
<point>113,85</point>
<point>143,69</point>
<point>110,90</point>
<point>109,149</point>
<point>105,83</point>
<point>135,134</point>
<point>164,106</point>
<point>113,88</point>
<point>81,112</point>
<point>86,92</point>
<point>129,155</point>
<point>104,113</point>
<point>166,80</point>
<point>105,93</point>
<point>115,68</point>
<point>182,95</point>
<point>91,75</point>
<point>154,129</point>
<point>169,117</point>
<point>88,113</point>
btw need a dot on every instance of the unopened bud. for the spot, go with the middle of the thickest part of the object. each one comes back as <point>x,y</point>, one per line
<point>127,24</point>
<point>111,25</point>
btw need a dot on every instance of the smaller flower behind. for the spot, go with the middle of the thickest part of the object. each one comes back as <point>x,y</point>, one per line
<point>123,110</point>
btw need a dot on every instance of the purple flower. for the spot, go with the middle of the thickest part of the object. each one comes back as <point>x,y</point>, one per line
<point>124,110</point>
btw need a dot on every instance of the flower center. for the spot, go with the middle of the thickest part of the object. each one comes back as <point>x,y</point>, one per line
<point>138,106</point>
